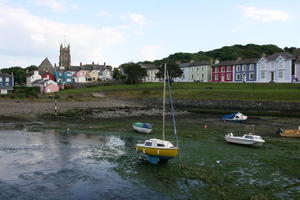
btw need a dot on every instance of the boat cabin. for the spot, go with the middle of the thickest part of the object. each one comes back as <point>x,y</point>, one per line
<point>156,143</point>
<point>253,137</point>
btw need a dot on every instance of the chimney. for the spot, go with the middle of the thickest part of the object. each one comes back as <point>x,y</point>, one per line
<point>263,55</point>
<point>238,59</point>
<point>93,63</point>
<point>80,63</point>
<point>191,61</point>
<point>217,61</point>
<point>104,63</point>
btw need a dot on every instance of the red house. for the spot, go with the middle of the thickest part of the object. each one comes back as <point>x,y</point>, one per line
<point>223,71</point>
<point>47,75</point>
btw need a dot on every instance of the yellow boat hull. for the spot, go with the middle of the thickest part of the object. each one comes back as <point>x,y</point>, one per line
<point>166,153</point>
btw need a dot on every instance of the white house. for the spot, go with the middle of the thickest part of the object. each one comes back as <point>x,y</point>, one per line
<point>31,77</point>
<point>105,75</point>
<point>195,72</point>
<point>151,73</point>
<point>275,68</point>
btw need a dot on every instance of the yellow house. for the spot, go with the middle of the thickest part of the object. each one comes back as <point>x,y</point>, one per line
<point>93,75</point>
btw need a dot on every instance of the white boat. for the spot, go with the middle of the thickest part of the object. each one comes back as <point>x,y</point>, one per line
<point>246,139</point>
<point>142,127</point>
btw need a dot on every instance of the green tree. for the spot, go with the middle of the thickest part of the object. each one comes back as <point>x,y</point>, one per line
<point>117,74</point>
<point>172,69</point>
<point>134,72</point>
<point>18,72</point>
<point>31,68</point>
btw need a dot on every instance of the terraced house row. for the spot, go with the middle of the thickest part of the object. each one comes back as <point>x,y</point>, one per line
<point>279,67</point>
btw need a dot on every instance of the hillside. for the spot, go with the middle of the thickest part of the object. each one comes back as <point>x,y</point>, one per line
<point>228,53</point>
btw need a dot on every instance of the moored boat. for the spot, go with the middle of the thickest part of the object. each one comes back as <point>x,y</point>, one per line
<point>246,139</point>
<point>295,133</point>
<point>142,127</point>
<point>156,150</point>
<point>235,117</point>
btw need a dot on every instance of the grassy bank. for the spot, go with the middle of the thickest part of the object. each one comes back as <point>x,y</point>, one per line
<point>214,91</point>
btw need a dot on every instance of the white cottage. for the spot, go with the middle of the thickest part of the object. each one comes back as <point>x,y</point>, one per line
<point>151,73</point>
<point>195,72</point>
<point>31,77</point>
<point>275,68</point>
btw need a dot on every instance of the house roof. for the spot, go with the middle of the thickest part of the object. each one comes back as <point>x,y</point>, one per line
<point>192,64</point>
<point>226,63</point>
<point>248,61</point>
<point>46,62</point>
<point>6,87</point>
<point>5,75</point>
<point>285,55</point>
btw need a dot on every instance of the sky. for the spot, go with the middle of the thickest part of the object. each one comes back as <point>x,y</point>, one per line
<point>120,31</point>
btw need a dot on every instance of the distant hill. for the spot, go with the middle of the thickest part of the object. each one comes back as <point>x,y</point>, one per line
<point>228,53</point>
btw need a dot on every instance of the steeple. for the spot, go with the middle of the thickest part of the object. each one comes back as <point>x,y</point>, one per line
<point>64,55</point>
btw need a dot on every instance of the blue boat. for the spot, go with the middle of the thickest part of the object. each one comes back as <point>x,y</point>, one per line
<point>235,117</point>
<point>142,127</point>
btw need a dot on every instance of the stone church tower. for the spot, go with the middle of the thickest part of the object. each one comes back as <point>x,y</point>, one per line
<point>64,56</point>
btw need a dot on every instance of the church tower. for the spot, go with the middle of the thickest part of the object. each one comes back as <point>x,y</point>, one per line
<point>64,56</point>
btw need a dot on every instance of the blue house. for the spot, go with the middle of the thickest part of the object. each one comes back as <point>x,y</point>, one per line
<point>64,77</point>
<point>245,70</point>
<point>6,82</point>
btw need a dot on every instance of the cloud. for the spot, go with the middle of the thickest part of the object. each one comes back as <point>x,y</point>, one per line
<point>56,5</point>
<point>104,14</point>
<point>263,15</point>
<point>136,18</point>
<point>149,52</point>
<point>26,37</point>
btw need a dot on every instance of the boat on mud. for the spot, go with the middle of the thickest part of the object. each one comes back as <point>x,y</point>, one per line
<point>235,117</point>
<point>246,139</point>
<point>294,133</point>
<point>142,127</point>
<point>160,150</point>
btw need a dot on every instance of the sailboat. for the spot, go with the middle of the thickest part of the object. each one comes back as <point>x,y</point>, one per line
<point>156,150</point>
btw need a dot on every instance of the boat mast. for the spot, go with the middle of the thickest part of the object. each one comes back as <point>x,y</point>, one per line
<point>164,101</point>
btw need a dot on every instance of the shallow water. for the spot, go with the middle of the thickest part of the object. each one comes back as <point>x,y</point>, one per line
<point>95,164</point>
<point>55,165</point>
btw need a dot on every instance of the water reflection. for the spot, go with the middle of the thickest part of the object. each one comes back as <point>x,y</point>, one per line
<point>63,165</point>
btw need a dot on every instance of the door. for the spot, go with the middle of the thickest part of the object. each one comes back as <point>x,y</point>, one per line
<point>244,77</point>
<point>222,78</point>
<point>272,76</point>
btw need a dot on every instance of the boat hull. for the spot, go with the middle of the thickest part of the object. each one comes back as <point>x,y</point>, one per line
<point>244,142</point>
<point>161,153</point>
<point>142,130</point>
<point>290,133</point>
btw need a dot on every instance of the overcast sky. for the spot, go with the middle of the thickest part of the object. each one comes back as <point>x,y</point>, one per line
<point>119,31</point>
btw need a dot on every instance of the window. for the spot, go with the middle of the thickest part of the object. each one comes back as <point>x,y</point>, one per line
<point>192,76</point>
<point>228,76</point>
<point>251,67</point>
<point>262,75</point>
<point>216,77</point>
<point>223,69</point>
<point>238,77</point>
<point>202,76</point>
<point>148,144</point>
<point>7,79</point>
<point>251,76</point>
<point>160,145</point>
<point>263,65</point>
<point>244,67</point>
<point>272,66</point>
<point>280,74</point>
<point>229,68</point>
<point>216,69</point>
<point>0,79</point>
<point>238,68</point>
<point>280,65</point>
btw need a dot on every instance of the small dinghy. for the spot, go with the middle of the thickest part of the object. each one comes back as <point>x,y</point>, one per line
<point>142,127</point>
<point>236,117</point>
<point>246,139</point>
<point>295,133</point>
